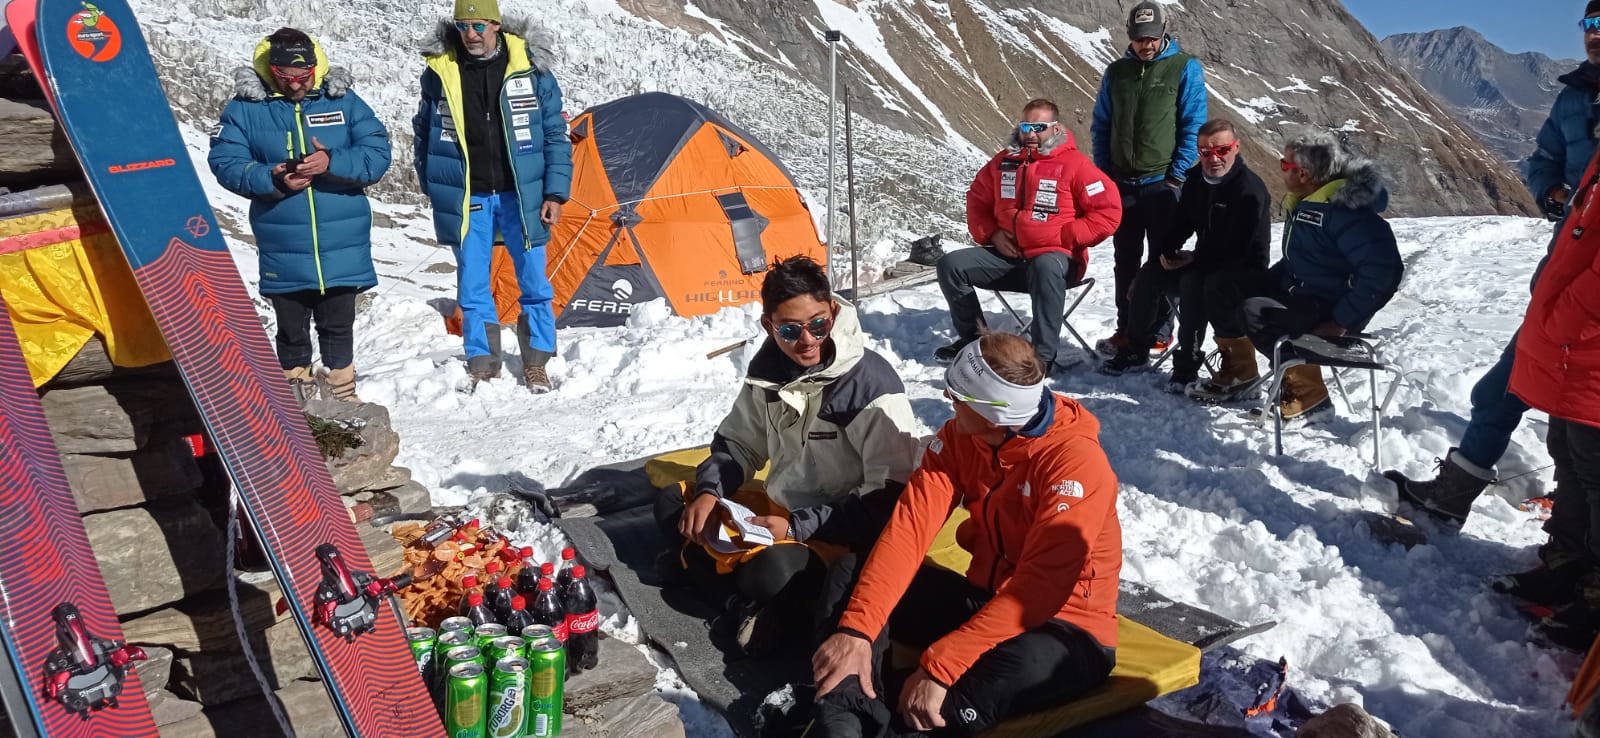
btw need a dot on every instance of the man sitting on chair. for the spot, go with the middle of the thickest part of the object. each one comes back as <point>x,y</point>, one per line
<point>1340,266</point>
<point>1034,209</point>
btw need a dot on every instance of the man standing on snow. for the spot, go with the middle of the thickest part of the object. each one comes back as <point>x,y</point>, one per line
<point>1226,206</point>
<point>1566,145</point>
<point>303,148</point>
<point>492,153</point>
<point>1034,210</point>
<point>1147,117</point>
<point>1033,621</point>
<point>1340,266</point>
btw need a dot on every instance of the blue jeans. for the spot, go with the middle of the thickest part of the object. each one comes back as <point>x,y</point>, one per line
<point>491,214</point>
<point>1496,413</point>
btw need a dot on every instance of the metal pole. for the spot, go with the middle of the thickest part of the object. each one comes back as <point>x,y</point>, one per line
<point>850,194</point>
<point>833,79</point>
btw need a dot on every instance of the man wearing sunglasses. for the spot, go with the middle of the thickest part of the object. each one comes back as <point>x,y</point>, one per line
<point>1034,210</point>
<point>303,147</point>
<point>1225,206</point>
<point>1147,117</point>
<point>1340,265</point>
<point>831,421</point>
<point>1032,622</point>
<point>492,153</point>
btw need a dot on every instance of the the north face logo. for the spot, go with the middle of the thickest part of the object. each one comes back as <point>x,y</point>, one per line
<point>1145,15</point>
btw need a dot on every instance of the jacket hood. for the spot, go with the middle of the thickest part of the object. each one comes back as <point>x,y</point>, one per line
<point>1363,188</point>
<point>1586,77</point>
<point>254,82</point>
<point>1060,419</point>
<point>445,41</point>
<point>1060,142</point>
<point>1168,48</point>
<point>771,369</point>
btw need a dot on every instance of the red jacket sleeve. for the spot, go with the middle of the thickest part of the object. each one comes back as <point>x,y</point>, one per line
<point>1054,554</point>
<point>924,506</point>
<point>1098,203</point>
<point>980,203</point>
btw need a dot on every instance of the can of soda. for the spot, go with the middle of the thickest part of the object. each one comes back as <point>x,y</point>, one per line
<point>486,633</point>
<point>547,685</point>
<point>508,698</point>
<point>508,647</point>
<point>423,642</point>
<point>535,633</point>
<point>463,655</point>
<point>455,623</point>
<point>466,694</point>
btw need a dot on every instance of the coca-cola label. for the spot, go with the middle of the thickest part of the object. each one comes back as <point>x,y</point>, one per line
<point>585,623</point>
<point>561,629</point>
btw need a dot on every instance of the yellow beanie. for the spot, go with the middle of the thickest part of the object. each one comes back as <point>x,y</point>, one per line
<point>488,10</point>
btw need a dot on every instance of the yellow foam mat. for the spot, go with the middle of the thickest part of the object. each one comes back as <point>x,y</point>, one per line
<point>1148,664</point>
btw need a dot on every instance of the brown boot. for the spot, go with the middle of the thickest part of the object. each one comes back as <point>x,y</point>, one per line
<point>1303,392</point>
<point>537,379</point>
<point>341,383</point>
<point>1239,372</point>
<point>301,383</point>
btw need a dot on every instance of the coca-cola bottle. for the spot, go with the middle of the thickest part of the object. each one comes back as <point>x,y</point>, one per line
<point>520,617</point>
<point>469,586</point>
<point>490,579</point>
<point>500,605</point>
<point>477,611</point>
<point>547,570</point>
<point>528,575</point>
<point>547,609</point>
<point>583,623</point>
<point>568,560</point>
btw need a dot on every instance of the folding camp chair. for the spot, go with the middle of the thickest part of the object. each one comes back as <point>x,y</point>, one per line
<point>1351,351</point>
<point>1083,286</point>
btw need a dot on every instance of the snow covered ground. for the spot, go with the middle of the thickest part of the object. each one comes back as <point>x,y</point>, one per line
<point>1210,516</point>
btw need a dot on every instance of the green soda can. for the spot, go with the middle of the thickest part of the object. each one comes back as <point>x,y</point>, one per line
<point>547,686</point>
<point>465,696</point>
<point>508,698</point>
<point>535,633</point>
<point>423,643</point>
<point>455,623</point>
<point>463,655</point>
<point>508,647</point>
<point>487,633</point>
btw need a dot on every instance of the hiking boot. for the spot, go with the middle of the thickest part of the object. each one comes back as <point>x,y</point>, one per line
<point>1303,395</point>
<point>927,251</point>
<point>1551,586</point>
<point>1185,370</point>
<point>483,368</point>
<point>301,383</point>
<point>537,379</point>
<point>1111,346</point>
<point>1573,626</point>
<point>340,384</point>
<point>1239,374</point>
<point>946,354</point>
<point>1126,360</point>
<point>1448,497</point>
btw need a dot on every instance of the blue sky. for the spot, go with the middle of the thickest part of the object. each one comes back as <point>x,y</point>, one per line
<point>1550,26</point>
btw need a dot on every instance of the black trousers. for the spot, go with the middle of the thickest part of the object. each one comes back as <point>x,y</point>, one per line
<point>1235,311</point>
<point>1147,213</point>
<point>1574,522</point>
<point>335,314</point>
<point>1044,277</point>
<point>1043,667</point>
<point>1150,306</point>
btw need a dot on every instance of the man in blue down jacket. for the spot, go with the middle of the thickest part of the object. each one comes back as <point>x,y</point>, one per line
<point>492,154</point>
<point>303,148</point>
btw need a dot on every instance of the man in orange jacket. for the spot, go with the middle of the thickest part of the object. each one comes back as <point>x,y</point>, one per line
<point>1033,623</point>
<point>1034,209</point>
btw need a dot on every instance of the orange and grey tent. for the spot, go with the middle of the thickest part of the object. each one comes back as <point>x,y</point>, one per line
<point>670,199</point>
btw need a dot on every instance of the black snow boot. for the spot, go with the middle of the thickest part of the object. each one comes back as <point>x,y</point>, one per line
<point>1185,370</point>
<point>948,353</point>
<point>1575,625</point>
<point>927,251</point>
<point>1127,359</point>
<point>1447,498</point>
<point>1550,586</point>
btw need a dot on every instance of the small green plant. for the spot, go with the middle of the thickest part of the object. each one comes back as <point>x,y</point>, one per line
<point>333,437</point>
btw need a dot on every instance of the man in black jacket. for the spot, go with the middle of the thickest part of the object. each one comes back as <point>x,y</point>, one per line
<point>1226,206</point>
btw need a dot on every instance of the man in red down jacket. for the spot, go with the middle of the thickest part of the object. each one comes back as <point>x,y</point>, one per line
<point>1557,370</point>
<point>1034,210</point>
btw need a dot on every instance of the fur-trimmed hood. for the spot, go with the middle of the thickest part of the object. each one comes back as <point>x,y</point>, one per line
<point>254,83</point>
<point>445,41</point>
<point>1364,187</point>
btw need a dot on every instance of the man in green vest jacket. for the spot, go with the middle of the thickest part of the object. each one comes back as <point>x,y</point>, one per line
<point>1147,117</point>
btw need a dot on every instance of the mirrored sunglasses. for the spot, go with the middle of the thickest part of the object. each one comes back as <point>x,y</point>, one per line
<point>474,27</point>
<point>294,75</point>
<point>1035,127</point>
<point>1590,25</point>
<point>1219,151</point>
<point>954,395</point>
<point>817,327</point>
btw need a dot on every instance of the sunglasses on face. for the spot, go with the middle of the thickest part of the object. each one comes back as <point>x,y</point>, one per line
<point>1288,166</point>
<point>474,27</point>
<point>1035,127</point>
<point>1590,25</point>
<point>1219,151</point>
<point>817,327</point>
<point>954,395</point>
<point>292,75</point>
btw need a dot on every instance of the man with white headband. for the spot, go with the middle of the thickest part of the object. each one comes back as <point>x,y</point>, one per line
<point>1033,623</point>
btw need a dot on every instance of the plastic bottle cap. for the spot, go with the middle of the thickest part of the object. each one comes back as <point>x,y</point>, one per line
<point>493,567</point>
<point>469,581</point>
<point>578,571</point>
<point>545,584</point>
<point>475,599</point>
<point>503,583</point>
<point>547,568</point>
<point>527,552</point>
<point>518,603</point>
<point>568,554</point>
